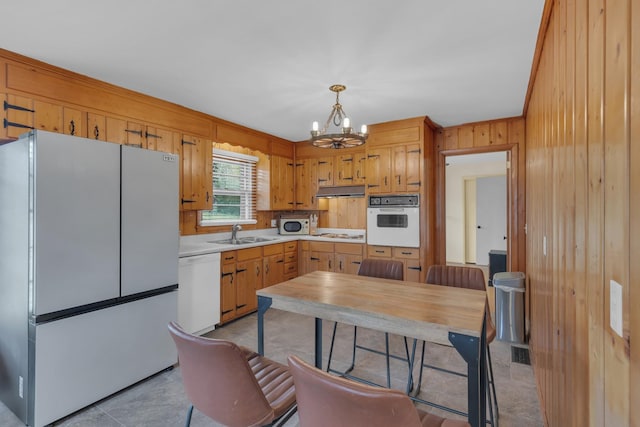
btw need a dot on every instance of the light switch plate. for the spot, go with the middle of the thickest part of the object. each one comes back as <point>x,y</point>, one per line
<point>615,306</point>
<point>273,223</point>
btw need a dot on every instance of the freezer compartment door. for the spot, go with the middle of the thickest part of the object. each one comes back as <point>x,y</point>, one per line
<point>80,360</point>
<point>76,232</point>
<point>150,228</point>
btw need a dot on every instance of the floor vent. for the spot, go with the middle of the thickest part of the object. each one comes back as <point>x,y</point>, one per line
<point>520,355</point>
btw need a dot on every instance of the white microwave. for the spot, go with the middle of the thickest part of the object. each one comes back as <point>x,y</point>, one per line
<point>294,226</point>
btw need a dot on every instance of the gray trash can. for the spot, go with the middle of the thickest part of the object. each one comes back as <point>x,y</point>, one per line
<point>509,287</point>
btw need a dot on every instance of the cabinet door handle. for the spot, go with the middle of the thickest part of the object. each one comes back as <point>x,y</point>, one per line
<point>187,201</point>
<point>398,179</point>
<point>385,180</point>
<point>226,274</point>
<point>257,271</point>
<point>340,265</point>
<point>379,251</point>
<point>314,259</point>
<point>72,127</point>
<point>415,268</point>
<point>227,311</point>
<point>242,270</point>
<point>240,306</point>
<point>137,132</point>
<point>96,131</point>
<point>406,253</point>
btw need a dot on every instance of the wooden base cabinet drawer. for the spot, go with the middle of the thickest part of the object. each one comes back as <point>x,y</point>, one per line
<point>379,251</point>
<point>408,253</point>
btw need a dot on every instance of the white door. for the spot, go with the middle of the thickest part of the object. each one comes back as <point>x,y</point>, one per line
<point>491,216</point>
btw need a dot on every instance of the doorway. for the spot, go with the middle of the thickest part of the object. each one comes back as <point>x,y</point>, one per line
<point>475,196</point>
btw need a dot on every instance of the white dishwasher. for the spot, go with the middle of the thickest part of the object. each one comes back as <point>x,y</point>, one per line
<point>199,292</point>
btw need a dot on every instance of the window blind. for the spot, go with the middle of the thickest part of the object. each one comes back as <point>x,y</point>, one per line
<point>234,189</point>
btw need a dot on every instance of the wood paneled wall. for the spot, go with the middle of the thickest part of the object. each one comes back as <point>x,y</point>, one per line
<point>482,137</point>
<point>583,199</point>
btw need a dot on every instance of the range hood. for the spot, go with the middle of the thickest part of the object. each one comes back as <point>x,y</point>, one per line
<point>341,191</point>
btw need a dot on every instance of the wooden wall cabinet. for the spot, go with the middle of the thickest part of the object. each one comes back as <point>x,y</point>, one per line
<point>306,184</point>
<point>281,183</point>
<point>74,122</point>
<point>344,168</point>
<point>197,181</point>
<point>18,116</point>
<point>379,170</point>
<point>325,171</point>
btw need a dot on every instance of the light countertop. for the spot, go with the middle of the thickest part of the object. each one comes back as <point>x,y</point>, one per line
<point>205,243</point>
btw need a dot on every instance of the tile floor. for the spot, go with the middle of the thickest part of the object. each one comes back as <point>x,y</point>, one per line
<point>160,401</point>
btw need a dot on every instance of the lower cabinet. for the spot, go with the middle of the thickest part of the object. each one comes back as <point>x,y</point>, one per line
<point>410,258</point>
<point>244,271</point>
<point>327,256</point>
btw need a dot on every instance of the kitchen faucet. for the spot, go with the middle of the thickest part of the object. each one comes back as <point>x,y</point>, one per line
<point>234,231</point>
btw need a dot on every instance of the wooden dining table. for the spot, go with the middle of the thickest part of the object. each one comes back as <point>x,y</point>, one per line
<point>432,313</point>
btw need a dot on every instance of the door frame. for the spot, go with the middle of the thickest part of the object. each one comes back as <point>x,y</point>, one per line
<point>515,203</point>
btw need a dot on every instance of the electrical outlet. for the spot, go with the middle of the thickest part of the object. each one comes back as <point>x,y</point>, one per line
<point>274,223</point>
<point>615,306</point>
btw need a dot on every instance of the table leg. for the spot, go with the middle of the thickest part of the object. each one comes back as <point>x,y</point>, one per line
<point>472,350</point>
<point>263,305</point>
<point>318,331</point>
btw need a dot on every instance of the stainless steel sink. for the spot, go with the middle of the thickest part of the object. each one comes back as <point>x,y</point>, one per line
<point>242,240</point>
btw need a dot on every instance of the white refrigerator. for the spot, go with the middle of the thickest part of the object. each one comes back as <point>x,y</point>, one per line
<point>88,271</point>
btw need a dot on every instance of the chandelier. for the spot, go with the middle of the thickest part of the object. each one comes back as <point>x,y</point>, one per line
<point>346,138</point>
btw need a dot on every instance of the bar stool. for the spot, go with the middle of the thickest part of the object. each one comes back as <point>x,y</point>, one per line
<point>327,400</point>
<point>468,278</point>
<point>384,269</point>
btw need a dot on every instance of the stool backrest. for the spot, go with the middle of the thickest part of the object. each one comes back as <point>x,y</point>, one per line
<point>327,400</point>
<point>382,268</point>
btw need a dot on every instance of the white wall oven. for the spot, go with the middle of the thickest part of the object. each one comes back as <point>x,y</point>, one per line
<point>394,220</point>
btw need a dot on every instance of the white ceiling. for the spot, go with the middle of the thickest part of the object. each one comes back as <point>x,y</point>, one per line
<point>268,64</point>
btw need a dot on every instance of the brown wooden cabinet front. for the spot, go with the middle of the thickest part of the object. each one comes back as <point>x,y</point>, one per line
<point>306,171</point>
<point>281,183</point>
<point>378,170</point>
<point>197,184</point>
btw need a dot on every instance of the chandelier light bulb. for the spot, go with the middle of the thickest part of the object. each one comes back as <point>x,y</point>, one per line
<point>346,123</point>
<point>363,129</point>
<point>315,126</point>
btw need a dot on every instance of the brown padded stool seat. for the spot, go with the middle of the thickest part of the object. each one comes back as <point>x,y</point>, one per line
<point>328,400</point>
<point>232,385</point>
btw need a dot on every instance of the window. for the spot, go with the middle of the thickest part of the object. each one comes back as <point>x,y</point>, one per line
<point>234,189</point>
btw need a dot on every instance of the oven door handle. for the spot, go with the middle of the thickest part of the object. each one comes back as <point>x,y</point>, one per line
<point>382,210</point>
